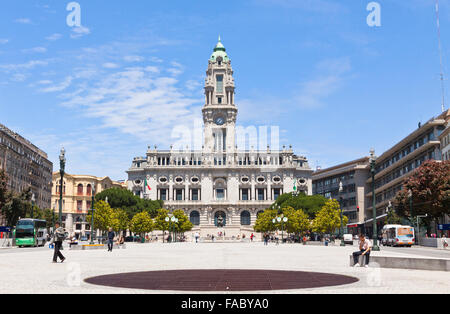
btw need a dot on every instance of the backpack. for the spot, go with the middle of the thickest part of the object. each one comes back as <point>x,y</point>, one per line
<point>60,236</point>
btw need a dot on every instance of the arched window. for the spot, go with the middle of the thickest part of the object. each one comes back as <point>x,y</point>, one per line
<point>80,189</point>
<point>245,218</point>
<point>220,214</point>
<point>195,218</point>
<point>88,190</point>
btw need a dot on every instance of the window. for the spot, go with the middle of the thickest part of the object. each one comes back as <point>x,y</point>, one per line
<point>195,195</point>
<point>260,194</point>
<point>219,84</point>
<point>245,218</point>
<point>194,218</point>
<point>276,193</point>
<point>245,194</point>
<point>163,194</point>
<point>179,195</point>
<point>80,189</point>
<point>88,205</point>
<point>220,194</point>
<point>88,190</point>
<point>79,206</point>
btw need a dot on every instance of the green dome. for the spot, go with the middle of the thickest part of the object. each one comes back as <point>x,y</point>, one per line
<point>220,51</point>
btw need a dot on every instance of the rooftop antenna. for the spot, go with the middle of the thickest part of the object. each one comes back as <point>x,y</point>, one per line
<point>440,55</point>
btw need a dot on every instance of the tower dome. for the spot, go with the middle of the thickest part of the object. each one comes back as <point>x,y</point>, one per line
<point>219,52</point>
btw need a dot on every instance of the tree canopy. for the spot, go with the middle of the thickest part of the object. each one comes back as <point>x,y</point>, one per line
<point>130,203</point>
<point>141,223</point>
<point>430,187</point>
<point>309,204</point>
<point>328,219</point>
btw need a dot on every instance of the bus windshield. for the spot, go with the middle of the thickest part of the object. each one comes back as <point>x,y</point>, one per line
<point>24,233</point>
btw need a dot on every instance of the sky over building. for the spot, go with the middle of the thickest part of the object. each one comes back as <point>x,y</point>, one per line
<point>133,71</point>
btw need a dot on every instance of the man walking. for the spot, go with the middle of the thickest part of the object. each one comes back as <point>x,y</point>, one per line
<point>58,237</point>
<point>364,249</point>
<point>111,236</point>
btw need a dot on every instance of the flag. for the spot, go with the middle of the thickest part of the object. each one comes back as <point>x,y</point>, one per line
<point>146,186</point>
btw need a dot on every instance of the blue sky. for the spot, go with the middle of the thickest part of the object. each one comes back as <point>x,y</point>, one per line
<point>134,70</point>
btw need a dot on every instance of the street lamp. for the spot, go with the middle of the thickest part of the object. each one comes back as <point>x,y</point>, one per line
<point>62,165</point>
<point>372,161</point>
<point>33,200</point>
<point>341,189</point>
<point>281,219</point>
<point>92,215</point>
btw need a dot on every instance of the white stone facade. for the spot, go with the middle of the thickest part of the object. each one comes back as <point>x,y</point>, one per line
<point>219,179</point>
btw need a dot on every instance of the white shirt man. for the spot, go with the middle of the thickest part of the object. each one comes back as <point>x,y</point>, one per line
<point>365,246</point>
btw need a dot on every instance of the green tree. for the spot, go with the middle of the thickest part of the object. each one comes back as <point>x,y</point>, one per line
<point>184,224</point>
<point>141,223</point>
<point>264,221</point>
<point>328,218</point>
<point>309,204</point>
<point>298,222</point>
<point>430,187</point>
<point>103,216</point>
<point>130,203</point>
<point>5,195</point>
<point>120,220</point>
<point>17,206</point>
<point>160,222</point>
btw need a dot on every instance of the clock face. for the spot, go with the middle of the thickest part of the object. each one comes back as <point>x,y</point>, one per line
<point>220,120</point>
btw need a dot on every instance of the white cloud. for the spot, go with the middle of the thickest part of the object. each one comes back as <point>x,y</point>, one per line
<point>138,102</point>
<point>23,21</point>
<point>314,91</point>
<point>110,65</point>
<point>59,87</point>
<point>29,65</point>
<point>4,41</point>
<point>35,50</point>
<point>133,58</point>
<point>80,31</point>
<point>54,37</point>
<point>19,77</point>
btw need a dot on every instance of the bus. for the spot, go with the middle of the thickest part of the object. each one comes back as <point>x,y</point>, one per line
<point>31,232</point>
<point>398,235</point>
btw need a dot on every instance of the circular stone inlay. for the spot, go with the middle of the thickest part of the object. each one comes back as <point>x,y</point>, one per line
<point>221,280</point>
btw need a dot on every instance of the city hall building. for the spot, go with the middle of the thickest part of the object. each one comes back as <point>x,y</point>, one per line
<point>221,188</point>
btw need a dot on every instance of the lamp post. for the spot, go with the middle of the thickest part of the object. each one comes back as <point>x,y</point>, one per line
<point>92,215</point>
<point>281,219</point>
<point>62,165</point>
<point>53,217</point>
<point>341,189</point>
<point>418,226</point>
<point>372,161</point>
<point>33,200</point>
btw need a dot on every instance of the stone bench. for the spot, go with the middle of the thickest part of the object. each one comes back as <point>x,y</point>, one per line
<point>416,263</point>
<point>84,247</point>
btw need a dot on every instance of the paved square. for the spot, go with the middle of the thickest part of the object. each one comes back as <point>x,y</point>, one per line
<point>31,270</point>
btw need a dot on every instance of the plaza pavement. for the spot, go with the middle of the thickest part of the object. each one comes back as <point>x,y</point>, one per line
<point>31,270</point>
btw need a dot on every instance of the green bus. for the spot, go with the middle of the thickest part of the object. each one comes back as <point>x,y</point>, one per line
<point>31,232</point>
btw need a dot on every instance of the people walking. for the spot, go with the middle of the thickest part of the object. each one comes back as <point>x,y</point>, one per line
<point>197,236</point>
<point>251,237</point>
<point>364,249</point>
<point>266,239</point>
<point>111,236</point>
<point>58,237</point>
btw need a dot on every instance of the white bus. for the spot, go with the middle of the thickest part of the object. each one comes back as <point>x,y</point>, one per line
<point>398,235</point>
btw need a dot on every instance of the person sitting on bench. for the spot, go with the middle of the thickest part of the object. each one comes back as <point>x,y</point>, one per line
<point>364,249</point>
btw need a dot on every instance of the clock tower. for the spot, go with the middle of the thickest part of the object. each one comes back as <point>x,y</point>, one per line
<point>219,112</point>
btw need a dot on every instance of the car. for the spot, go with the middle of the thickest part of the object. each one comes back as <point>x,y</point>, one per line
<point>348,239</point>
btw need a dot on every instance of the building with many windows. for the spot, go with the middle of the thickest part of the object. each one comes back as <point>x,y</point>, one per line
<point>445,140</point>
<point>353,176</point>
<point>397,163</point>
<point>27,167</point>
<point>77,199</point>
<point>221,187</point>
